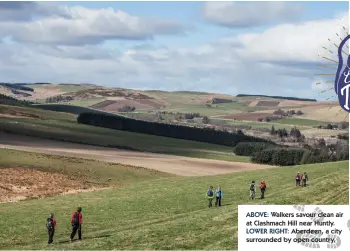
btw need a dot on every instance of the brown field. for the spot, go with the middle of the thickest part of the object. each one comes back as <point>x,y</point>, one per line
<point>126,102</point>
<point>183,166</point>
<point>21,183</point>
<point>150,103</point>
<point>329,113</point>
<point>286,103</point>
<point>247,116</point>
<point>103,104</point>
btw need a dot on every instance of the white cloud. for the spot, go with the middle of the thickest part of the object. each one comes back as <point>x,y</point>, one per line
<point>78,25</point>
<point>301,42</point>
<point>248,14</point>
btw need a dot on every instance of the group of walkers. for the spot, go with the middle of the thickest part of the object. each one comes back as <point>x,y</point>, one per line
<point>218,194</point>
<point>252,189</point>
<point>76,221</point>
<point>301,179</point>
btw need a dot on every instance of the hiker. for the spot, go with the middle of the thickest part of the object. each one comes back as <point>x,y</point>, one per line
<point>218,195</point>
<point>262,188</point>
<point>210,196</point>
<point>50,225</point>
<point>252,190</point>
<point>77,220</point>
<point>304,179</point>
<point>297,179</point>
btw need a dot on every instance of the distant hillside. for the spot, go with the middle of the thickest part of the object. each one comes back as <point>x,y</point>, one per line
<point>277,97</point>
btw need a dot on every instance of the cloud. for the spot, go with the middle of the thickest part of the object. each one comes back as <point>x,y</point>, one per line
<point>78,25</point>
<point>245,15</point>
<point>300,42</point>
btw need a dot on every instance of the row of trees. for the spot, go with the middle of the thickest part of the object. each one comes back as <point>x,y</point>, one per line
<point>23,94</point>
<point>284,113</point>
<point>250,148</point>
<point>20,87</point>
<point>6,100</point>
<point>58,99</point>
<point>270,154</point>
<point>341,125</point>
<point>277,97</point>
<point>283,133</point>
<point>278,114</point>
<point>207,135</point>
<point>180,115</point>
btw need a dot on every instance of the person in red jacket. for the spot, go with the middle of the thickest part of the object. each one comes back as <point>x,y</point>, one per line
<point>77,220</point>
<point>50,225</point>
<point>262,188</point>
<point>297,179</point>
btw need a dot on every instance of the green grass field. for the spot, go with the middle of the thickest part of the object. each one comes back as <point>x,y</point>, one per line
<point>164,213</point>
<point>67,108</point>
<point>300,122</point>
<point>258,124</point>
<point>43,114</point>
<point>217,109</point>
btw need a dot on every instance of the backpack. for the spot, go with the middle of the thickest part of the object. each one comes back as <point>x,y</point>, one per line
<point>76,219</point>
<point>263,186</point>
<point>252,187</point>
<point>210,193</point>
<point>218,193</point>
<point>49,223</point>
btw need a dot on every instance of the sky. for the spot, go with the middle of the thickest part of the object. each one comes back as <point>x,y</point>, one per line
<point>270,48</point>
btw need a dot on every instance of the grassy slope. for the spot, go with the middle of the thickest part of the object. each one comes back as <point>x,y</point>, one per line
<point>64,107</point>
<point>67,129</point>
<point>217,109</point>
<point>168,213</point>
<point>300,122</point>
<point>96,172</point>
<point>27,111</point>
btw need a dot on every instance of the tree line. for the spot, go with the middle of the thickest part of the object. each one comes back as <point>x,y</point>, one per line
<point>6,100</point>
<point>58,99</point>
<point>277,97</point>
<point>207,135</point>
<point>272,154</point>
<point>17,87</point>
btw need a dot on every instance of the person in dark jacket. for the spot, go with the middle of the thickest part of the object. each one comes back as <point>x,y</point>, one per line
<point>218,196</point>
<point>77,221</point>
<point>252,190</point>
<point>50,225</point>
<point>210,196</point>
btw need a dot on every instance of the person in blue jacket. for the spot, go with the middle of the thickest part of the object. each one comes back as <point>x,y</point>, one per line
<point>218,195</point>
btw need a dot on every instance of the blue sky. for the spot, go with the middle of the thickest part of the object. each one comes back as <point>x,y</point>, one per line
<point>246,47</point>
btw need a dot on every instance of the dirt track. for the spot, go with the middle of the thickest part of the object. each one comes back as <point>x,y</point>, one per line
<point>182,166</point>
